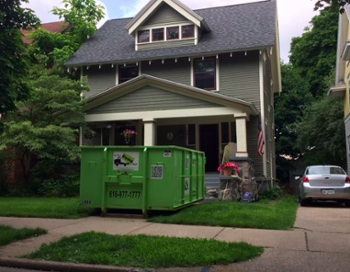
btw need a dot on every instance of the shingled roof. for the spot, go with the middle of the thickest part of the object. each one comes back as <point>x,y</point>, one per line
<point>233,28</point>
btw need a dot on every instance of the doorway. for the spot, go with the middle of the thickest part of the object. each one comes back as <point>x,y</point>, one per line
<point>209,143</point>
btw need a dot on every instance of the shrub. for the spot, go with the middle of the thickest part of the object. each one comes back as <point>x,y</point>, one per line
<point>274,194</point>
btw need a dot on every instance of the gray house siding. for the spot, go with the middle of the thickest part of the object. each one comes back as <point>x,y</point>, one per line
<point>164,15</point>
<point>347,137</point>
<point>239,76</point>
<point>100,79</point>
<point>150,99</point>
<point>252,140</point>
<point>168,44</point>
<point>179,71</point>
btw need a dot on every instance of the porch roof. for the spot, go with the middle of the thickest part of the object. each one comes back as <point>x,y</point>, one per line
<point>144,80</point>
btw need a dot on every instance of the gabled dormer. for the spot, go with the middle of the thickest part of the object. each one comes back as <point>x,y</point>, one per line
<point>166,23</point>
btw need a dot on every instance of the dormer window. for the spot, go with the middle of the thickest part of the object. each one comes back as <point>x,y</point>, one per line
<point>157,34</point>
<point>143,36</point>
<point>172,33</point>
<point>187,31</point>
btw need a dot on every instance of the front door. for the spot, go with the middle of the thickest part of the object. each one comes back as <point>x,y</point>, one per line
<point>209,143</point>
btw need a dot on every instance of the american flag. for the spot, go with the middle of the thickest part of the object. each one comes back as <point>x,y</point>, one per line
<point>261,142</point>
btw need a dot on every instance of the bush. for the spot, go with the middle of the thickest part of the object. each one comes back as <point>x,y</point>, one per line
<point>274,194</point>
<point>66,186</point>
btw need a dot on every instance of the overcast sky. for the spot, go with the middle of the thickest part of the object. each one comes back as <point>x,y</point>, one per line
<point>293,16</point>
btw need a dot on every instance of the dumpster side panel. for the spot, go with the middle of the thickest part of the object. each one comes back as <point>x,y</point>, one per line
<point>160,172</point>
<point>91,177</point>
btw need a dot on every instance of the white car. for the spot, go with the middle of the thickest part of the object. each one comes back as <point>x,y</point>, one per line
<point>324,182</point>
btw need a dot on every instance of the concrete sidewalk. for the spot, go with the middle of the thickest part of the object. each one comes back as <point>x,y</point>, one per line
<point>320,240</point>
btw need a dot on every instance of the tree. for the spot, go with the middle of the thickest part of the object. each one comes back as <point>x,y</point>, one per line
<point>314,53</point>
<point>47,123</point>
<point>14,61</point>
<point>320,4</point>
<point>46,126</point>
<point>321,133</point>
<point>289,108</point>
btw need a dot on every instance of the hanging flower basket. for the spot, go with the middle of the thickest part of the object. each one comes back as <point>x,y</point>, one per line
<point>128,135</point>
<point>228,168</point>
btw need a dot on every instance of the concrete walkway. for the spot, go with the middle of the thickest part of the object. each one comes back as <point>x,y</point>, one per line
<point>320,240</point>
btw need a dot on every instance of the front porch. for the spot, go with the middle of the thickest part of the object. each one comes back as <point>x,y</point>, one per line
<point>209,134</point>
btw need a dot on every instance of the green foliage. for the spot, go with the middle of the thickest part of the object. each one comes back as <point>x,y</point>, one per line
<point>321,133</point>
<point>65,186</point>
<point>289,108</point>
<point>278,215</point>
<point>320,4</point>
<point>69,208</point>
<point>13,57</point>
<point>274,194</point>
<point>144,251</point>
<point>314,53</point>
<point>9,235</point>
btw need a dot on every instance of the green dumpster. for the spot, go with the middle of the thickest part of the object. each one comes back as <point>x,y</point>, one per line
<point>141,178</point>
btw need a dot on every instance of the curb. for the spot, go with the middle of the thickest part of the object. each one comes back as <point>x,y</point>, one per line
<point>64,267</point>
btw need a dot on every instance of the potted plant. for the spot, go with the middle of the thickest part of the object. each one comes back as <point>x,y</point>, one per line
<point>128,134</point>
<point>228,168</point>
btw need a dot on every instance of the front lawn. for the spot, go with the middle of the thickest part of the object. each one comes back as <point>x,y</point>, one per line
<point>144,251</point>
<point>43,207</point>
<point>266,214</point>
<point>9,235</point>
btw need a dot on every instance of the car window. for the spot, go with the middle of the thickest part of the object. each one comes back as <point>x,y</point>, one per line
<point>325,170</point>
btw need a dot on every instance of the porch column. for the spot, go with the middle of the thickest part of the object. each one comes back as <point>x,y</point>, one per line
<point>149,132</point>
<point>241,132</point>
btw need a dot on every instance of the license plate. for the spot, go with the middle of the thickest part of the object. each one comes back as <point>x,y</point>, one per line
<point>328,192</point>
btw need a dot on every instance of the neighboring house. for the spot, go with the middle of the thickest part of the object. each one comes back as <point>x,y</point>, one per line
<point>55,27</point>
<point>342,78</point>
<point>192,78</point>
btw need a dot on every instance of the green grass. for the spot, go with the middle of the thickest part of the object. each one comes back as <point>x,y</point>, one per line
<point>43,207</point>
<point>144,251</point>
<point>278,215</point>
<point>9,235</point>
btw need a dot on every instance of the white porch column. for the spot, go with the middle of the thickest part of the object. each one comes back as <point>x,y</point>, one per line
<point>241,132</point>
<point>149,132</point>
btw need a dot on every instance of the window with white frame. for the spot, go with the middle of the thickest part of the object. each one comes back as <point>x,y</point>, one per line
<point>166,33</point>
<point>204,73</point>
<point>127,72</point>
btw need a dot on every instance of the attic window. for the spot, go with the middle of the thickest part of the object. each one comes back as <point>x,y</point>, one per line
<point>172,33</point>
<point>187,31</point>
<point>143,36</point>
<point>158,34</point>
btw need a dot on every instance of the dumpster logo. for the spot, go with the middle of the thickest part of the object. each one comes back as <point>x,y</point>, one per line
<point>126,161</point>
<point>187,185</point>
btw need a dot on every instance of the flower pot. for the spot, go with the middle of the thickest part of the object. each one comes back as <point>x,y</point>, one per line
<point>227,171</point>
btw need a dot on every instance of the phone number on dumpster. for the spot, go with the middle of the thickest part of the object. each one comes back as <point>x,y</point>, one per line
<point>124,194</point>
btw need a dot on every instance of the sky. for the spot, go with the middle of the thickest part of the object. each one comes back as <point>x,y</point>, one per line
<point>293,16</point>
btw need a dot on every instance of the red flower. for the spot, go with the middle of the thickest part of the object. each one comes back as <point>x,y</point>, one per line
<point>229,165</point>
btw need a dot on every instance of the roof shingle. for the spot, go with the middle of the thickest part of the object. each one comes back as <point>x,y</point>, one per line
<point>237,27</point>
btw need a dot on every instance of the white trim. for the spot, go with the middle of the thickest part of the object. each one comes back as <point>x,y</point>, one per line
<point>220,139</point>
<point>262,110</point>
<point>196,38</point>
<point>192,72</point>
<point>217,80</point>
<point>161,114</point>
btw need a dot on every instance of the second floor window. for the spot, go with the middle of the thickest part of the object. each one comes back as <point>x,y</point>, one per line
<point>205,73</point>
<point>127,72</point>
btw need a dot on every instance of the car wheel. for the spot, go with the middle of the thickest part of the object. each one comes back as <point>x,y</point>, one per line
<point>347,203</point>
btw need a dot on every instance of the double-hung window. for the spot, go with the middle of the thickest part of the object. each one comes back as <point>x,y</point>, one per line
<point>127,72</point>
<point>205,73</point>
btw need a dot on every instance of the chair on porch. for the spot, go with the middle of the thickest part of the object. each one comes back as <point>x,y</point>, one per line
<point>230,151</point>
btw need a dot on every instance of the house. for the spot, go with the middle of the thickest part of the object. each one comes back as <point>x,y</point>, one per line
<point>342,77</point>
<point>55,27</point>
<point>193,78</point>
